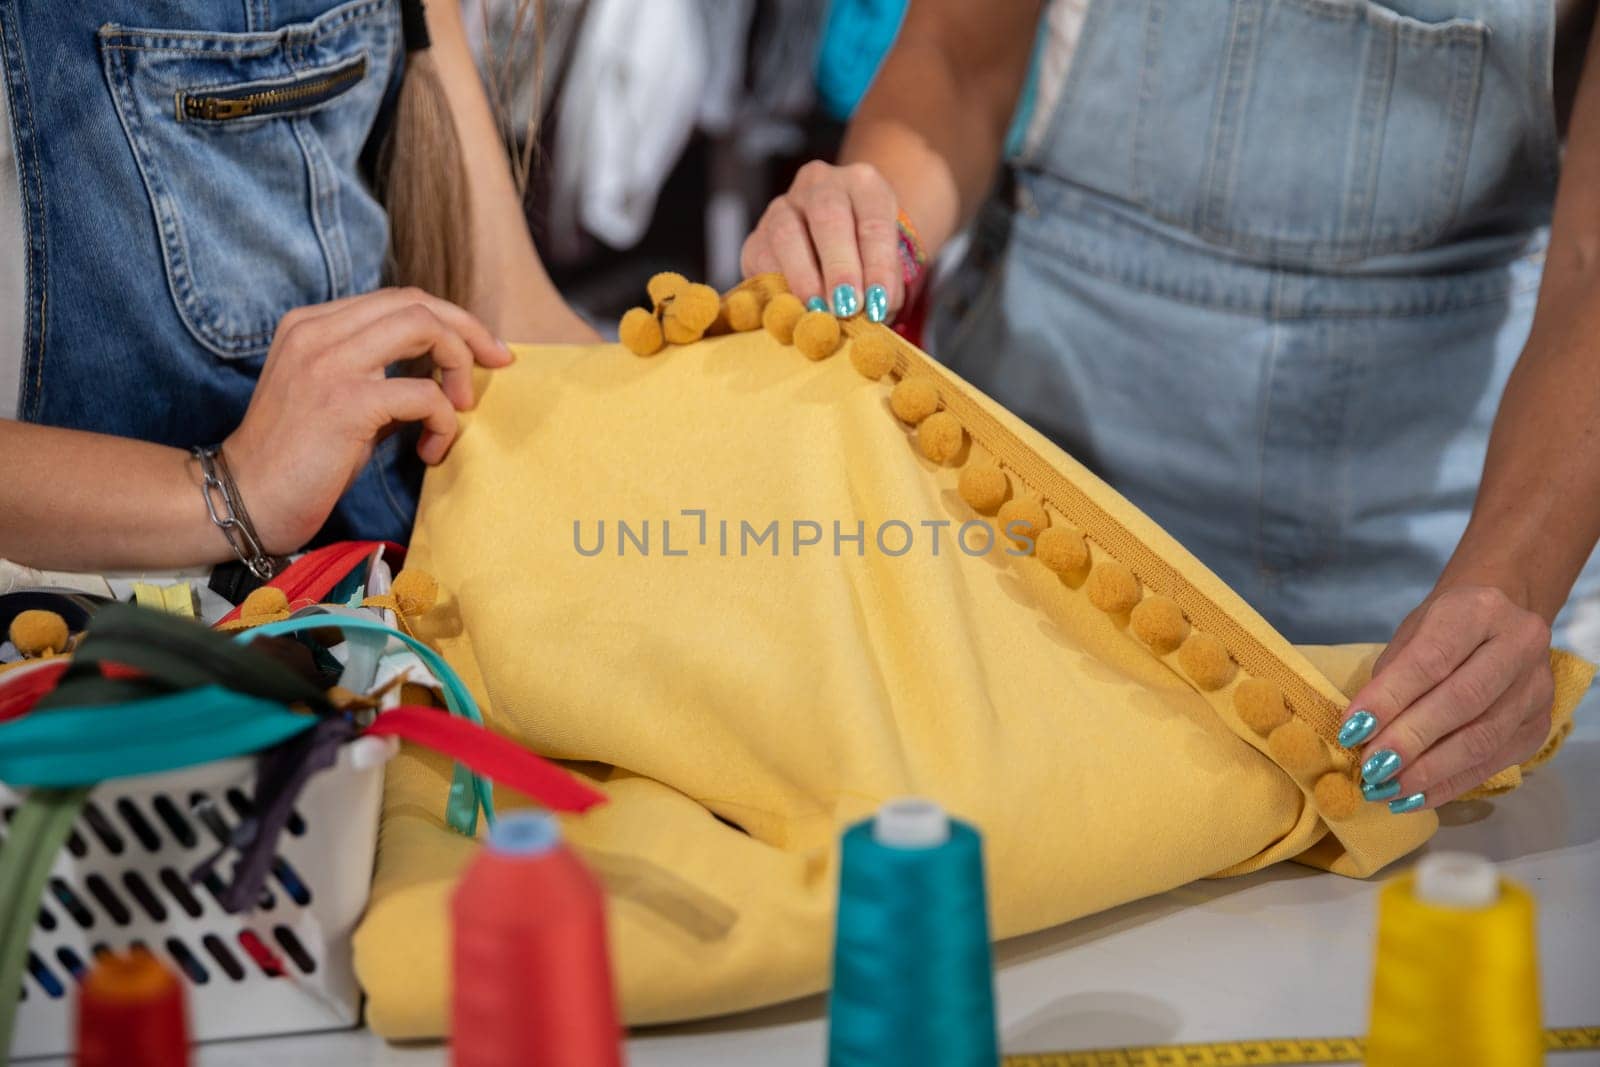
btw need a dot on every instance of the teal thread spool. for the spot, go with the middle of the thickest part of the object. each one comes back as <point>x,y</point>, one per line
<point>913,980</point>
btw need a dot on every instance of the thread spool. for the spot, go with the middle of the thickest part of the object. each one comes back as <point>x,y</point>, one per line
<point>913,981</point>
<point>532,974</point>
<point>1457,978</point>
<point>131,1013</point>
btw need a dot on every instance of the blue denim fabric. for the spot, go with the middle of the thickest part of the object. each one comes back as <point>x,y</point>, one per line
<point>162,245</point>
<point>1268,276</point>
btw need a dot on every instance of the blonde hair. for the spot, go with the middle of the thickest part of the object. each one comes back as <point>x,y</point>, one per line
<point>422,177</point>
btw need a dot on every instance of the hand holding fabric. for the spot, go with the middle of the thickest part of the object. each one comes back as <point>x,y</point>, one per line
<point>1463,691</point>
<point>834,231</point>
<point>325,399</point>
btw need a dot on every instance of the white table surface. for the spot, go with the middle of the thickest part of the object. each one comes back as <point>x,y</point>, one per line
<point>1286,952</point>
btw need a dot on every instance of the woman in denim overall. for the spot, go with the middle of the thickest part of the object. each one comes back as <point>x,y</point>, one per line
<point>203,250</point>
<point>1268,270</point>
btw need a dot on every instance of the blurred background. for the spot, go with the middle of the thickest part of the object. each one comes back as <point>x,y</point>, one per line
<point>655,132</point>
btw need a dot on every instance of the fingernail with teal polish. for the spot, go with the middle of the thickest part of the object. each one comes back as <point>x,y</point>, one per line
<point>1405,804</point>
<point>816,303</point>
<point>1380,792</point>
<point>877,303</point>
<point>1381,766</point>
<point>1357,728</point>
<point>845,301</point>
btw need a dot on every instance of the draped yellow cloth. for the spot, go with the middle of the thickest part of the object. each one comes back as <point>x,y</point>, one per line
<point>740,701</point>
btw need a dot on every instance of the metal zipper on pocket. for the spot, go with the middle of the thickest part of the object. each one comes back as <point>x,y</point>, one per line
<point>222,106</point>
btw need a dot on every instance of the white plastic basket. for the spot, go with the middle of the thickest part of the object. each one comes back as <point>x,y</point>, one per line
<point>123,880</point>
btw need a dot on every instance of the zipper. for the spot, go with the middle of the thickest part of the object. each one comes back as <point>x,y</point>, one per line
<point>249,103</point>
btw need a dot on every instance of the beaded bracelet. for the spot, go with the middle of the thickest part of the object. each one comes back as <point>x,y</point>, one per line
<point>913,260</point>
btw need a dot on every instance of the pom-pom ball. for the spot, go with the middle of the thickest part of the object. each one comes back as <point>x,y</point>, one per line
<point>1337,796</point>
<point>781,315</point>
<point>265,604</point>
<point>1260,705</point>
<point>1298,749</point>
<point>415,592</point>
<point>983,486</point>
<point>1206,662</point>
<point>1062,550</point>
<point>1021,517</point>
<point>743,309</point>
<point>872,354</point>
<point>816,335</point>
<point>690,314</point>
<point>640,332</point>
<point>39,633</point>
<point>914,399</point>
<point>940,436</point>
<point>665,285</point>
<point>1113,588</point>
<point>1159,623</point>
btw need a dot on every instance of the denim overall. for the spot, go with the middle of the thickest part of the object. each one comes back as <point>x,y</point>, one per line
<point>1268,273</point>
<point>190,171</point>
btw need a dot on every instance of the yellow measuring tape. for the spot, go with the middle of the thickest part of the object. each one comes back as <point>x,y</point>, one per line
<point>1280,1050</point>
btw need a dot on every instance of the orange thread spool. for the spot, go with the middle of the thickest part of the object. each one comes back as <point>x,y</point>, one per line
<point>532,978</point>
<point>131,1014</point>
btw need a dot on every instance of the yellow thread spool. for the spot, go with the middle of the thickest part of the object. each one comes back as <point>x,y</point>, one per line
<point>1457,980</point>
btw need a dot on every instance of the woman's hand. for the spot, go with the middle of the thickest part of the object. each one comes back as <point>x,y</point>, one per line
<point>834,236</point>
<point>1463,691</point>
<point>324,400</point>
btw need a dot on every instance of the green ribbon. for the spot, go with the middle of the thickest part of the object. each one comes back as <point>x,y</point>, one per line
<point>37,832</point>
<point>80,746</point>
<point>468,791</point>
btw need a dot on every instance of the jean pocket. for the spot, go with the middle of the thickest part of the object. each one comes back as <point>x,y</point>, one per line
<point>249,145</point>
<point>1306,132</point>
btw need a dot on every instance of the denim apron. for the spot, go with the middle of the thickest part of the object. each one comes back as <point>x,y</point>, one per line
<point>190,171</point>
<point>1267,274</point>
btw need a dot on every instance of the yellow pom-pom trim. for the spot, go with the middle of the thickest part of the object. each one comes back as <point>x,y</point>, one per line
<point>1337,796</point>
<point>1021,517</point>
<point>817,335</point>
<point>665,286</point>
<point>1061,549</point>
<point>690,314</point>
<point>1260,705</point>
<point>415,592</point>
<point>1298,749</point>
<point>1113,588</point>
<point>743,309</point>
<point>640,332</point>
<point>676,331</point>
<point>1206,662</point>
<point>914,399</point>
<point>940,436</point>
<point>264,605</point>
<point>781,315</point>
<point>872,353</point>
<point>1160,624</point>
<point>38,633</point>
<point>983,486</point>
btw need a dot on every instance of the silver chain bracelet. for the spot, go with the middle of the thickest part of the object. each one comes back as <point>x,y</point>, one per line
<point>228,513</point>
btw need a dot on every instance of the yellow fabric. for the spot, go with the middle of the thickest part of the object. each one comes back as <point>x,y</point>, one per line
<point>174,599</point>
<point>739,710</point>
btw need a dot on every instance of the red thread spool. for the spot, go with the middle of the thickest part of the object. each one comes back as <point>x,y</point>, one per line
<point>131,1014</point>
<point>532,978</point>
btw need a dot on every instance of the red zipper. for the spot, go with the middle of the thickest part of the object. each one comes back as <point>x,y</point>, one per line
<point>313,576</point>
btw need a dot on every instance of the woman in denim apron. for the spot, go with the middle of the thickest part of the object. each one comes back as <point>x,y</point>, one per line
<point>194,178</point>
<point>1267,266</point>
